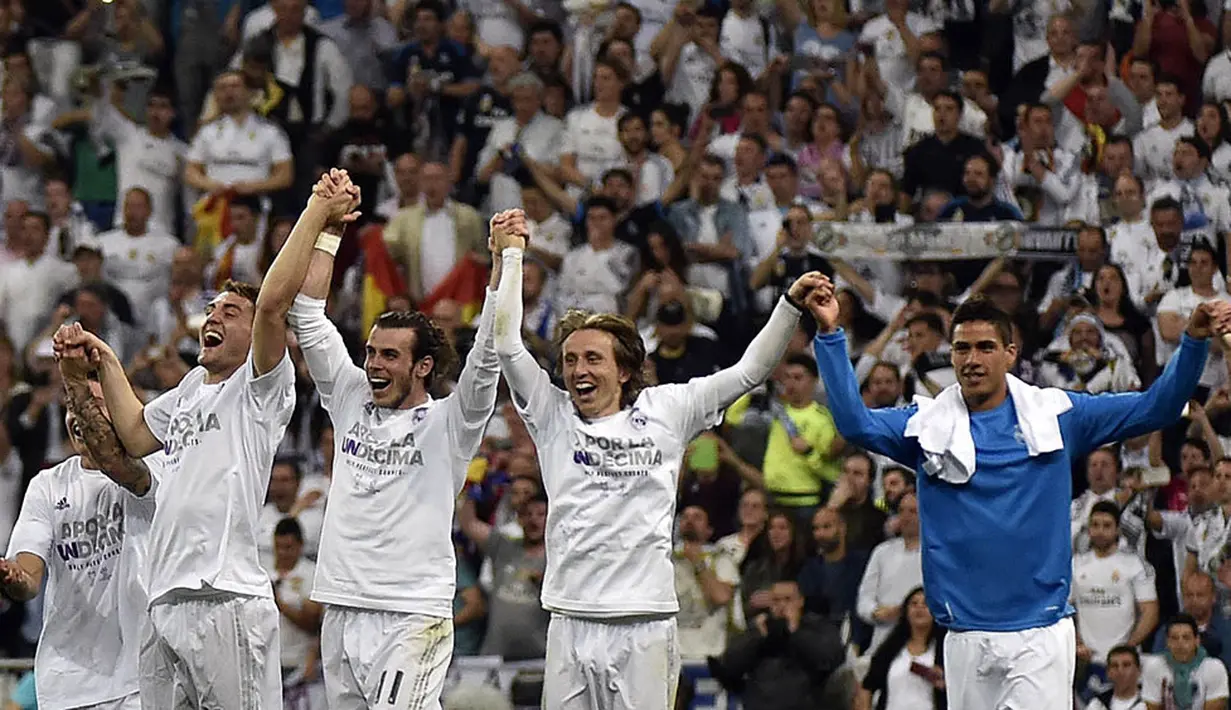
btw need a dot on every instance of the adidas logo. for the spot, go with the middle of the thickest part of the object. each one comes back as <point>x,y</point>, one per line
<point>62,504</point>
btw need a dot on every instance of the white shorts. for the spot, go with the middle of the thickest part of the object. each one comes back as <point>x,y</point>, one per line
<point>384,659</point>
<point>599,665</point>
<point>1012,670</point>
<point>217,651</point>
<point>128,702</point>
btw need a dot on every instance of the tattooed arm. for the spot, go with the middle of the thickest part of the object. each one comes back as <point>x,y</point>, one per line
<point>100,439</point>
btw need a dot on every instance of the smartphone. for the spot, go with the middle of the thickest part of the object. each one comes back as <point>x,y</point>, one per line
<point>704,455</point>
<point>927,673</point>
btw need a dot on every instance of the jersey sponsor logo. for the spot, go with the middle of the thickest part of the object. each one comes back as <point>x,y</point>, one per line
<point>616,456</point>
<point>89,541</point>
<point>186,430</point>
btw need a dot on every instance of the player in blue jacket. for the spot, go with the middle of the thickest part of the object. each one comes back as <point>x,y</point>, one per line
<point>994,456</point>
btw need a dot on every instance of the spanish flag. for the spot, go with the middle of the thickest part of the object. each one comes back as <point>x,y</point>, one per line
<point>212,215</point>
<point>380,274</point>
<point>466,284</point>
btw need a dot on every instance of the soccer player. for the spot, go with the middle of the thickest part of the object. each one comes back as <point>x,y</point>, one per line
<point>385,571</point>
<point>212,636</point>
<point>611,451</point>
<point>994,457</point>
<point>83,527</point>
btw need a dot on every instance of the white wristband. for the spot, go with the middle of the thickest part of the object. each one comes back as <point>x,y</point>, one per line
<point>328,243</point>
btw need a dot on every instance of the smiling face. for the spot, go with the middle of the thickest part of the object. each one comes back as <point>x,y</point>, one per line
<point>981,359</point>
<point>226,335</point>
<point>393,374</point>
<point>593,377</point>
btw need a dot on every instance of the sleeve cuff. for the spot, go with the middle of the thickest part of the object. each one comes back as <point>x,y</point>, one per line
<point>836,336</point>
<point>308,304</point>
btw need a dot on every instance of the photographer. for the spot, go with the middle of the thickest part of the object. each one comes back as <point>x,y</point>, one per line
<point>785,659</point>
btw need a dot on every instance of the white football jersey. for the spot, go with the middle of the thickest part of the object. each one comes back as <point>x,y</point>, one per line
<point>91,534</point>
<point>1106,591</point>
<point>611,482</point>
<point>220,442</point>
<point>387,540</point>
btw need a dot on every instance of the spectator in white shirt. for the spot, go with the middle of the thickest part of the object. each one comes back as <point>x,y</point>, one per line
<point>1044,178</point>
<point>1102,474</point>
<point>282,502</point>
<point>1216,83</point>
<point>591,143</point>
<point>528,131</point>
<point>299,619</point>
<point>32,283</point>
<point>1185,676</point>
<point>1078,276</point>
<point>136,258</point>
<point>651,172</point>
<point>70,227</point>
<point>894,39</point>
<point>1154,147</point>
<point>744,37</point>
<point>147,156</point>
<point>1124,674</point>
<point>1086,359</point>
<point>406,183</point>
<point>1153,265</point>
<point>239,151</point>
<point>1214,128</point>
<point>1141,74</point>
<point>1113,593</point>
<point>25,151</point>
<point>705,581</point>
<point>1180,303</point>
<point>691,57</point>
<point>1207,207</point>
<point>238,256</point>
<point>914,109</point>
<point>596,275</point>
<point>893,570</point>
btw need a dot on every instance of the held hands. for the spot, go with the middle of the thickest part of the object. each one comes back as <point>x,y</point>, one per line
<point>339,197</point>
<point>822,303</point>
<point>84,350</point>
<point>805,285</point>
<point>508,229</point>
<point>1212,317</point>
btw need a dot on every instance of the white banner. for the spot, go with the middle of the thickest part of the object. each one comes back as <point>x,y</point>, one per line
<point>946,241</point>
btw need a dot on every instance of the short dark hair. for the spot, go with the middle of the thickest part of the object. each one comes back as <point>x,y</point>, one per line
<point>549,26</point>
<point>1198,143</point>
<point>1125,650</point>
<point>711,159</point>
<point>289,526</point>
<point>430,6</point>
<point>993,165</point>
<point>601,202</point>
<point>1172,79</point>
<point>629,6</point>
<point>981,309</point>
<point>1199,444</point>
<point>1038,106</point>
<point>615,67</point>
<point>430,340</point>
<point>944,62</point>
<point>931,321</point>
<point>861,454</point>
<point>953,96</point>
<point>1166,203</point>
<point>1107,507</point>
<point>623,173</point>
<point>629,118</point>
<point>782,160</point>
<point>1187,620</point>
<point>244,290</point>
<point>1201,244</point>
<point>758,141</point>
<point>293,463</point>
<point>805,361</point>
<point>40,216</point>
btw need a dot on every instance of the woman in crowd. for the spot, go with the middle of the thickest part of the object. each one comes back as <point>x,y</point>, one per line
<point>1115,310</point>
<point>664,274</point>
<point>775,555</point>
<point>1213,128</point>
<point>826,150</point>
<point>906,671</point>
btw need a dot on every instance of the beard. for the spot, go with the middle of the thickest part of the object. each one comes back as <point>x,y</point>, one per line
<point>977,194</point>
<point>828,545</point>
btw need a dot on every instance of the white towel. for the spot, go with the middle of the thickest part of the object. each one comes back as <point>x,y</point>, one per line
<point>942,426</point>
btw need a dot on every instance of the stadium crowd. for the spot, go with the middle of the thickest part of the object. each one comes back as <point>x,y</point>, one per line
<point>675,159</point>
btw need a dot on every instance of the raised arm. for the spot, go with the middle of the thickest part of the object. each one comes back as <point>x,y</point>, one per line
<point>1099,419</point>
<point>879,430</point>
<point>126,409</point>
<point>94,429</point>
<point>533,392</point>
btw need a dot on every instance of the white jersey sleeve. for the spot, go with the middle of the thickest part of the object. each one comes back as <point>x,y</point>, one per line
<point>1142,582</point>
<point>336,376</point>
<point>698,404</point>
<point>1152,676</point>
<point>35,528</point>
<point>273,391</point>
<point>157,414</point>
<point>537,400</point>
<point>474,399</point>
<point>1175,525</point>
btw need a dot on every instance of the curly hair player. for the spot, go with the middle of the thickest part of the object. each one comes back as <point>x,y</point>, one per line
<point>610,451</point>
<point>386,569</point>
<point>994,457</point>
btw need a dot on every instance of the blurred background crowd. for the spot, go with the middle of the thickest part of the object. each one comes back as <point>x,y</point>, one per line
<point>675,159</point>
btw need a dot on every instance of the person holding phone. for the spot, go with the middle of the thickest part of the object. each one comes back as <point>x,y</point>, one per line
<point>907,669</point>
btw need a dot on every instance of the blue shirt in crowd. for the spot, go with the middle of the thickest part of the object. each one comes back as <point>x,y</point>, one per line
<point>996,550</point>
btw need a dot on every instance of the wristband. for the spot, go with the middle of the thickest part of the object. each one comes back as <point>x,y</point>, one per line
<point>328,243</point>
<point>792,302</point>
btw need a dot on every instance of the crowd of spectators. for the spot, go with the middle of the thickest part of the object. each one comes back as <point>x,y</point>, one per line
<point>674,158</point>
